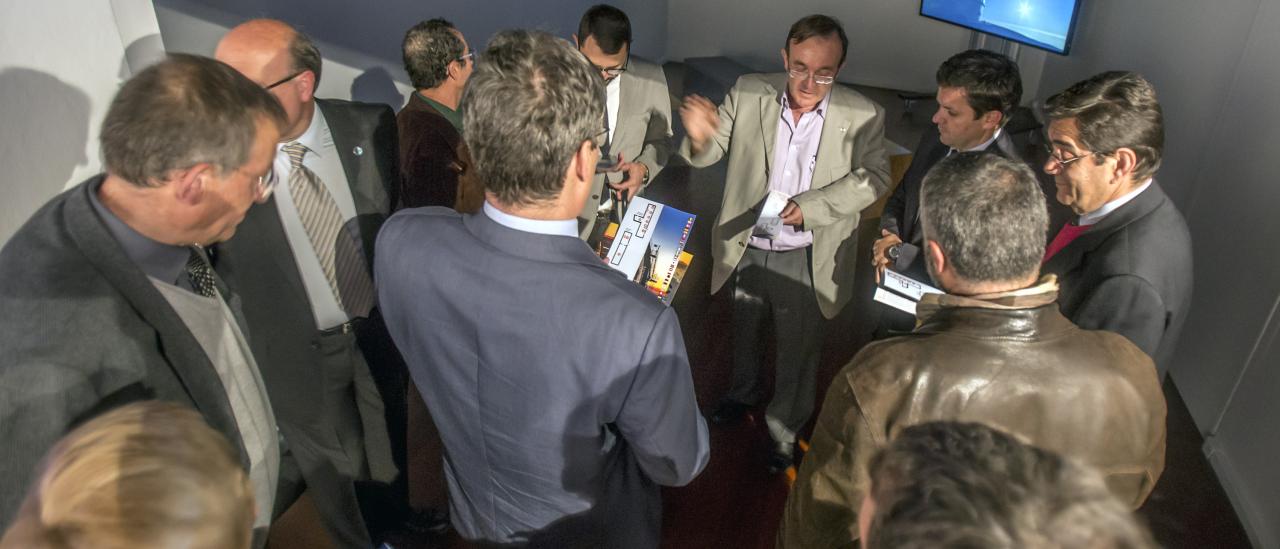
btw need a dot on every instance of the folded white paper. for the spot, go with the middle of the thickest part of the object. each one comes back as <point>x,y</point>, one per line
<point>769,225</point>
<point>896,301</point>
<point>907,286</point>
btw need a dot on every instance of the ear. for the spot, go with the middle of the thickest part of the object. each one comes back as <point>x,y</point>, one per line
<point>307,90</point>
<point>992,119</point>
<point>585,161</point>
<point>582,171</point>
<point>786,61</point>
<point>188,185</point>
<point>1126,162</point>
<point>936,255</point>
<point>451,70</point>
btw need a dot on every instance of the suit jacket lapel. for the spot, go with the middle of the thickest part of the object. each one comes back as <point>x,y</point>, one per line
<point>770,113</point>
<point>342,128</point>
<point>188,360</point>
<point>1070,256</point>
<point>835,124</point>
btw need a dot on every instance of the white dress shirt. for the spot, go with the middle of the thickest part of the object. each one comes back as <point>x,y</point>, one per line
<point>1095,216</point>
<point>322,159</point>
<point>553,227</point>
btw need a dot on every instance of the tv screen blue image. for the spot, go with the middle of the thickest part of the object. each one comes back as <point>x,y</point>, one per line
<point>1044,24</point>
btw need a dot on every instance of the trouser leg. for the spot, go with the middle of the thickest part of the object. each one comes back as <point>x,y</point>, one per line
<point>750,308</point>
<point>799,328</point>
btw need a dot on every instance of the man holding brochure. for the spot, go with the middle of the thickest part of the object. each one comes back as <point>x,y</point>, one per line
<point>993,349</point>
<point>805,157</point>
<point>560,388</point>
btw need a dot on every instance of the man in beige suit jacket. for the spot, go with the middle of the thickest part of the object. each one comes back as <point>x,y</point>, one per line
<point>798,136</point>
<point>638,107</point>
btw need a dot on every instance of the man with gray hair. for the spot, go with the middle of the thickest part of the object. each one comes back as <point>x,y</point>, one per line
<point>439,62</point>
<point>561,389</point>
<point>993,349</point>
<point>946,484</point>
<point>106,293</point>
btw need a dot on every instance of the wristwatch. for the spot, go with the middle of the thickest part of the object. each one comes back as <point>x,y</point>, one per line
<point>894,251</point>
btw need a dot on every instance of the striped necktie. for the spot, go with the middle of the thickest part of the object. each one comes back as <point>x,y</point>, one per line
<point>339,252</point>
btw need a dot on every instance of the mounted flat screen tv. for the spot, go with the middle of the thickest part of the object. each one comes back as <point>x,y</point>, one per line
<point>1044,24</point>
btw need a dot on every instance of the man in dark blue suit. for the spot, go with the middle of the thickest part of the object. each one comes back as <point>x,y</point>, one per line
<point>560,388</point>
<point>1125,263</point>
<point>978,91</point>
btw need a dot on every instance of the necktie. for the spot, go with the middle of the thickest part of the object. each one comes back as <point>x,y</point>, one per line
<point>1070,231</point>
<point>339,253</point>
<point>200,275</point>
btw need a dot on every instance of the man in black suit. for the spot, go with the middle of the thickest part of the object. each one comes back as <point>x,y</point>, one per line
<point>303,263</point>
<point>1125,263</point>
<point>106,295</point>
<point>978,91</point>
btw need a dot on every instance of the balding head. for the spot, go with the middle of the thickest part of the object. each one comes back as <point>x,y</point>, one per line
<point>277,57</point>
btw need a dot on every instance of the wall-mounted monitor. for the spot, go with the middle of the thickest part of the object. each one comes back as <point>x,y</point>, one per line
<point>1044,24</point>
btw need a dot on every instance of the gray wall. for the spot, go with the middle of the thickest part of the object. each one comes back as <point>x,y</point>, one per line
<point>361,46</point>
<point>57,75</point>
<point>1213,65</point>
<point>890,45</point>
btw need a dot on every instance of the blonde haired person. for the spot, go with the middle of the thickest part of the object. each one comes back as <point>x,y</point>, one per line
<point>146,475</point>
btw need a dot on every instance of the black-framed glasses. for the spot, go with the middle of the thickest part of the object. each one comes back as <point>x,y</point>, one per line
<point>283,80</point>
<point>610,73</point>
<point>820,79</point>
<point>1062,163</point>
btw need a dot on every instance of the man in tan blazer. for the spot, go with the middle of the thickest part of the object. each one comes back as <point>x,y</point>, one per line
<point>638,112</point>
<point>819,149</point>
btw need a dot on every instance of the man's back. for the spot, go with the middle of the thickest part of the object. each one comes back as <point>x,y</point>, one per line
<point>553,380</point>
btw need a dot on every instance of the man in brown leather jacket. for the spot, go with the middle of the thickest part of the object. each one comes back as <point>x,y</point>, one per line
<point>994,349</point>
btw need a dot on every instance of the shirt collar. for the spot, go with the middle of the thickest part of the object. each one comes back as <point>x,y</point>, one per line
<point>452,115</point>
<point>820,110</point>
<point>1092,218</point>
<point>158,260</point>
<point>987,144</point>
<point>317,138</point>
<point>553,227</point>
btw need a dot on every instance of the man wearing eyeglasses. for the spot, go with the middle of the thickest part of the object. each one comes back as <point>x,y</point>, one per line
<point>637,117</point>
<point>805,157</point>
<point>302,263</point>
<point>106,294</point>
<point>438,62</point>
<point>1125,263</point>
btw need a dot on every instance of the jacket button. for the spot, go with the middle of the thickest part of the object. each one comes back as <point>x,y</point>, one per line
<point>595,197</point>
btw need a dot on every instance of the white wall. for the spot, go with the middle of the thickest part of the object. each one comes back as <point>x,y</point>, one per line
<point>1213,66</point>
<point>361,46</point>
<point>61,62</point>
<point>890,44</point>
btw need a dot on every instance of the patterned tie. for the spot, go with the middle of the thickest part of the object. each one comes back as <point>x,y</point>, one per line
<point>200,275</point>
<point>339,253</point>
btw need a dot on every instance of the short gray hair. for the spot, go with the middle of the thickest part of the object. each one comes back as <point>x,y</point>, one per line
<point>988,215</point>
<point>428,49</point>
<point>531,102</point>
<point>180,112</point>
<point>947,484</point>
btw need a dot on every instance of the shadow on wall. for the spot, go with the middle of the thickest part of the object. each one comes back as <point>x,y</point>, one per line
<point>140,54</point>
<point>46,129</point>
<point>376,86</point>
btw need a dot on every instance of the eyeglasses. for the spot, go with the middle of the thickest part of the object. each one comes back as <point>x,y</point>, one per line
<point>1062,163</point>
<point>819,79</point>
<point>283,80</point>
<point>599,138</point>
<point>610,73</point>
<point>267,183</point>
<point>469,55</point>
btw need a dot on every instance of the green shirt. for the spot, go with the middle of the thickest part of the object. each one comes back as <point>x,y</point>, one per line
<point>454,117</point>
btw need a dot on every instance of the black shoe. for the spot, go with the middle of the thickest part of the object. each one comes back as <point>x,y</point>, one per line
<point>782,456</point>
<point>729,412</point>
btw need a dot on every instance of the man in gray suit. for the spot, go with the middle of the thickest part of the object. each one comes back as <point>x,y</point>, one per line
<point>560,388</point>
<point>303,264</point>
<point>638,114</point>
<point>106,295</point>
<point>797,139</point>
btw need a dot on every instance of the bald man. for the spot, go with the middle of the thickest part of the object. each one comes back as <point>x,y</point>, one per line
<point>302,264</point>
